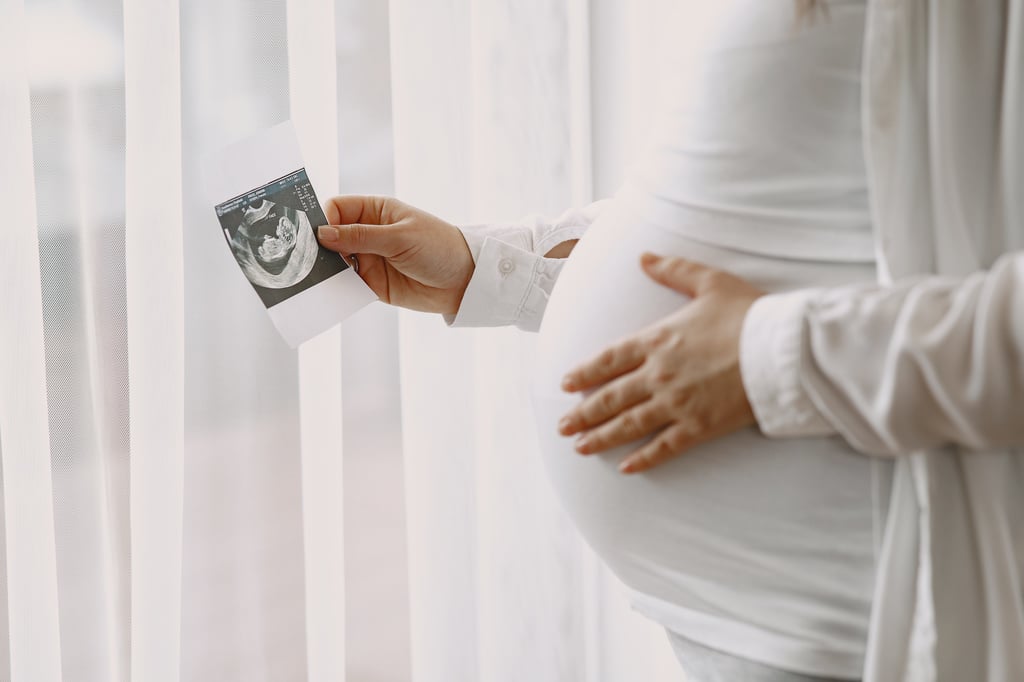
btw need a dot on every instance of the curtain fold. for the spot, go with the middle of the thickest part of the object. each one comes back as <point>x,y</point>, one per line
<point>30,551</point>
<point>430,115</point>
<point>77,109</point>
<point>243,557</point>
<point>314,111</point>
<point>526,103</point>
<point>156,335</point>
<point>172,472</point>
<point>492,115</point>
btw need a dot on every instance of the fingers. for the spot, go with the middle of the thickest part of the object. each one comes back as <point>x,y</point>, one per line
<point>619,359</point>
<point>357,209</point>
<point>604,404</point>
<point>358,224</point>
<point>666,445</point>
<point>380,240</point>
<point>686,277</point>
<point>631,425</point>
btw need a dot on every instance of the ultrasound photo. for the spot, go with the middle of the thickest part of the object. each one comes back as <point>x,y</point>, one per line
<point>271,232</point>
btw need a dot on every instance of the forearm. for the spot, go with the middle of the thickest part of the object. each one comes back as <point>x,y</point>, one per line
<point>925,363</point>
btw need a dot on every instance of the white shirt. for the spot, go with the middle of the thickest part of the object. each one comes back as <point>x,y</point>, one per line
<point>760,147</point>
<point>928,365</point>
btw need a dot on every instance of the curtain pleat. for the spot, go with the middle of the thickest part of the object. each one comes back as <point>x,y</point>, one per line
<point>312,84</point>
<point>437,409</point>
<point>32,599</point>
<point>484,129</point>
<point>171,472</point>
<point>494,101</point>
<point>243,600</point>
<point>531,608</point>
<point>156,332</point>
<point>77,108</point>
<point>430,73</point>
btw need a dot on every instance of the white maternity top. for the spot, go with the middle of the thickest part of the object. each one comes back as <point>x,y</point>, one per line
<point>762,549</point>
<point>942,104</point>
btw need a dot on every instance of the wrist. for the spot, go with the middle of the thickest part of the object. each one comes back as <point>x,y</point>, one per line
<point>562,250</point>
<point>771,348</point>
<point>464,269</point>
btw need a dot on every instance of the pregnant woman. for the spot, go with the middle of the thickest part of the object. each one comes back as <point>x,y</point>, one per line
<point>799,158</point>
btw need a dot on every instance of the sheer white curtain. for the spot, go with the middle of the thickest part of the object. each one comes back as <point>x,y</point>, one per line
<point>173,500</point>
<point>171,469</point>
<point>495,105</point>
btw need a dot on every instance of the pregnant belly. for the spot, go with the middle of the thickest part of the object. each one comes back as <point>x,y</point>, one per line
<point>762,548</point>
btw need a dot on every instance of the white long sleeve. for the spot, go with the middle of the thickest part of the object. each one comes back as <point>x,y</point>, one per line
<point>513,280</point>
<point>924,363</point>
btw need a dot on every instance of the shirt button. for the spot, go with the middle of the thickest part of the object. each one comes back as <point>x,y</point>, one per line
<point>506,266</point>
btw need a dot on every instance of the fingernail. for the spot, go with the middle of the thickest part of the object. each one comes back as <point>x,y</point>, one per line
<point>568,384</point>
<point>565,426</point>
<point>327,233</point>
<point>627,467</point>
<point>582,446</point>
<point>649,258</point>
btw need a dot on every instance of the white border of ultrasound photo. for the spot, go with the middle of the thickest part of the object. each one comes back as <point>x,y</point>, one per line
<point>249,165</point>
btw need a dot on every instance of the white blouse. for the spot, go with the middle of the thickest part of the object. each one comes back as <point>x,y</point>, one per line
<point>926,366</point>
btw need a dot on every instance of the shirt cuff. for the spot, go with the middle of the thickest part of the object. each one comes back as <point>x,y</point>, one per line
<point>771,346</point>
<point>510,286</point>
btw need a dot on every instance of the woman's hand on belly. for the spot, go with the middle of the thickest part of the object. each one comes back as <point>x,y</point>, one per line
<point>680,378</point>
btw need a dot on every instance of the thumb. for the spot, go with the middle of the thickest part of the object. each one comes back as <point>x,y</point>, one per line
<point>684,276</point>
<point>357,238</point>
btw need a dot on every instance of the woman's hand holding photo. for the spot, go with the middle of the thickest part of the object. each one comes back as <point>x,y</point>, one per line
<point>409,257</point>
<point>680,378</point>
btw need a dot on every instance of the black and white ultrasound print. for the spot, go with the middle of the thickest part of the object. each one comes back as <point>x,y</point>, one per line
<point>271,232</point>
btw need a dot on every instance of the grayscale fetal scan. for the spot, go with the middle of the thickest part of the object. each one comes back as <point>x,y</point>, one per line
<point>270,230</point>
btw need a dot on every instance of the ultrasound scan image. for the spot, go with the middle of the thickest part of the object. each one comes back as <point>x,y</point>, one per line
<point>274,244</point>
<point>270,230</point>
